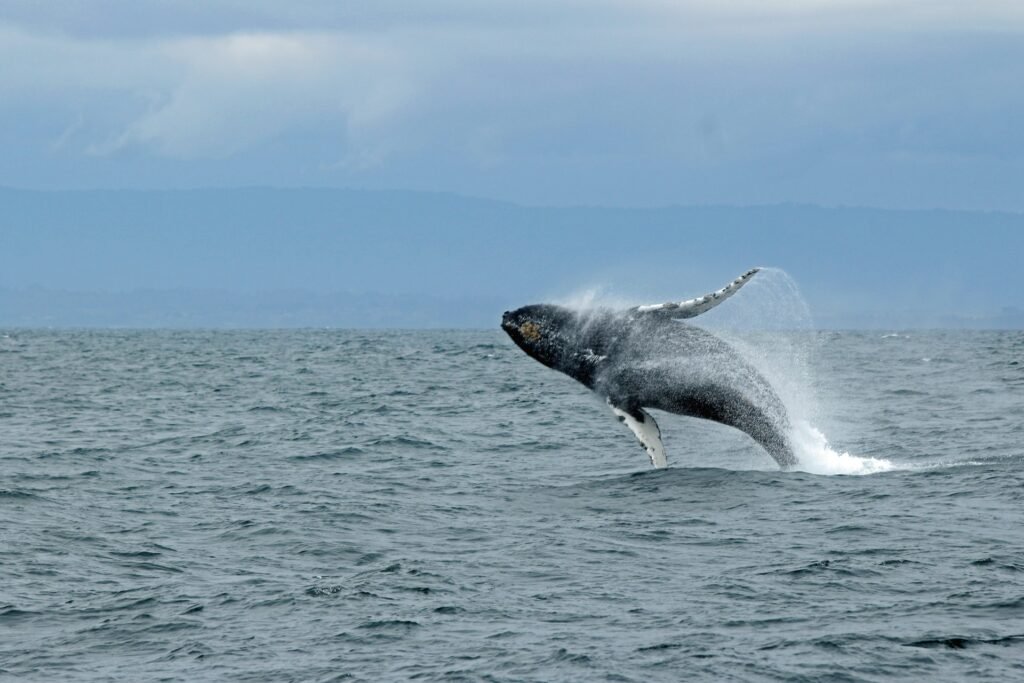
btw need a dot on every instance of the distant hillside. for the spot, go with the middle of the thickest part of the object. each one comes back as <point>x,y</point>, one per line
<point>319,257</point>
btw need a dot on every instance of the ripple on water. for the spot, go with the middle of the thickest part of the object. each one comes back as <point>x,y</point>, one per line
<point>305,505</point>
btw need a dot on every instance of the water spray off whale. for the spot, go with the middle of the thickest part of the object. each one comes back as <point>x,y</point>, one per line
<point>647,357</point>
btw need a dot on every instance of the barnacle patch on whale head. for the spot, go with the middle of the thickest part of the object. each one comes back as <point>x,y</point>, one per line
<point>530,331</point>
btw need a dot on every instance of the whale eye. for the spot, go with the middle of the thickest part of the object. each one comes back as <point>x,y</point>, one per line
<point>530,331</point>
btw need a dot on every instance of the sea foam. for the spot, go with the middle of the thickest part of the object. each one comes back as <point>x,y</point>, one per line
<point>816,456</point>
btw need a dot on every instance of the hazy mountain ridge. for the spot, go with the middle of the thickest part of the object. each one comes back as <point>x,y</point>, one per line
<point>258,257</point>
<point>185,309</point>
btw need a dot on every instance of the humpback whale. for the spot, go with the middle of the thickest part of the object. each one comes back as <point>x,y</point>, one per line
<point>647,357</point>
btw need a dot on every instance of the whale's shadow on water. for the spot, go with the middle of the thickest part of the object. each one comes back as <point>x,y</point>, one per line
<point>704,490</point>
<point>683,486</point>
<point>695,478</point>
<point>965,642</point>
<point>704,477</point>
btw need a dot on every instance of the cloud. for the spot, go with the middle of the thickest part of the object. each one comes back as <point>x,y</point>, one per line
<point>239,89</point>
<point>585,92</point>
<point>125,19</point>
<point>212,96</point>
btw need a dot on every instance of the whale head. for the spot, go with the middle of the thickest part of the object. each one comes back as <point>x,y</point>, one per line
<point>545,332</point>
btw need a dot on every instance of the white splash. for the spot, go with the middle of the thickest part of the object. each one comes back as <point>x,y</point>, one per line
<point>590,298</point>
<point>774,302</point>
<point>815,456</point>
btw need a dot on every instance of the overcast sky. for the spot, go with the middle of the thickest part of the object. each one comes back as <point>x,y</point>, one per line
<point>890,103</point>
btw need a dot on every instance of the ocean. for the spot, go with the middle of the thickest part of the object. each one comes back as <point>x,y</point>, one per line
<point>331,505</point>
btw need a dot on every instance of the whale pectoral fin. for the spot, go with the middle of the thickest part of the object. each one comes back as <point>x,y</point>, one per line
<point>694,307</point>
<point>646,430</point>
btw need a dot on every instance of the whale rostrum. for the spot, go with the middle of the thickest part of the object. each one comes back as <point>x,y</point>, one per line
<point>647,357</point>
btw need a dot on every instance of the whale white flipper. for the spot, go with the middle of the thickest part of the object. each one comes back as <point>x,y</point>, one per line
<point>646,430</point>
<point>702,304</point>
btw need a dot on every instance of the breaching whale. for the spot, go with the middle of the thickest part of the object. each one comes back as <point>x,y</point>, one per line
<point>646,357</point>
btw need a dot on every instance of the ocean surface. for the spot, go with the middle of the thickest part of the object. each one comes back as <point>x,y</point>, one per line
<point>318,505</point>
